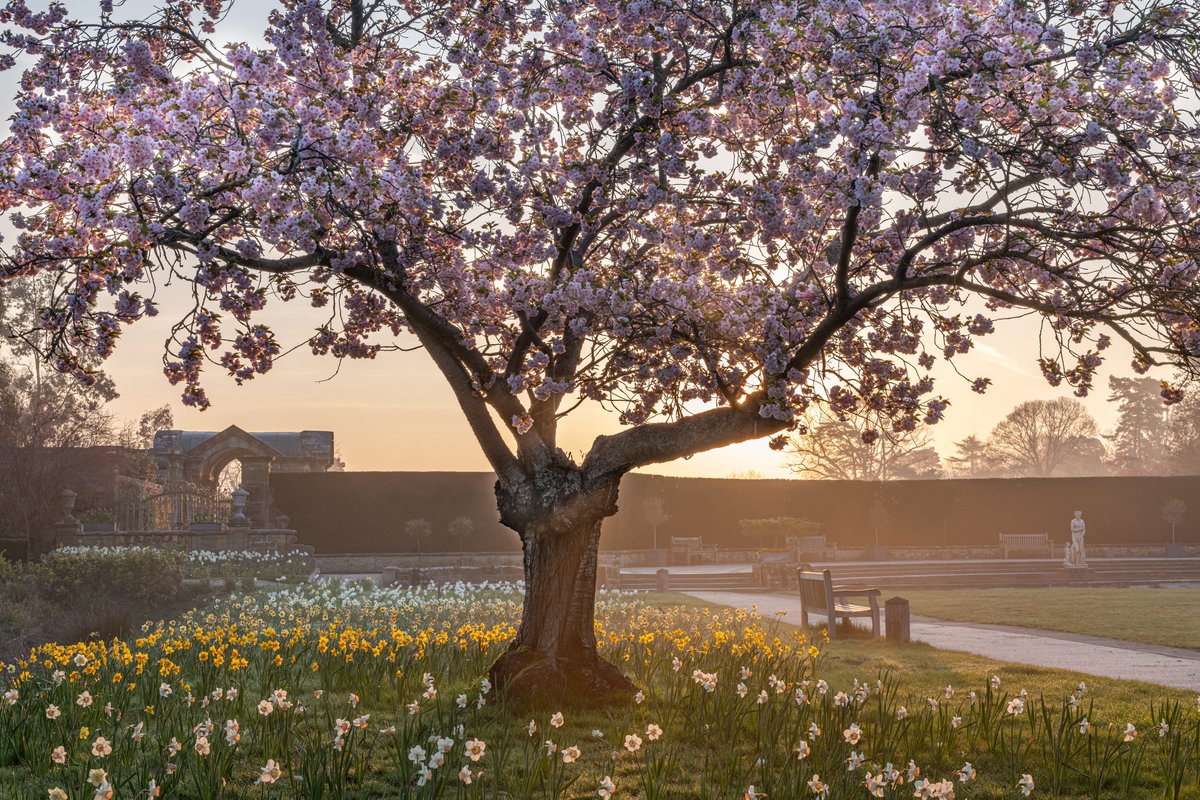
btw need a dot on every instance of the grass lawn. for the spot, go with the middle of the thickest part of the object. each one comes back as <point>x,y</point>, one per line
<point>1156,616</point>
<point>713,744</point>
<point>923,670</point>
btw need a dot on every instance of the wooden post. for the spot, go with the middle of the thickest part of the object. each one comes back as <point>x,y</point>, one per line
<point>664,580</point>
<point>897,616</point>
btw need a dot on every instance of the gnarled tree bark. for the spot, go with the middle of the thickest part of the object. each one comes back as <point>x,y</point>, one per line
<point>554,656</point>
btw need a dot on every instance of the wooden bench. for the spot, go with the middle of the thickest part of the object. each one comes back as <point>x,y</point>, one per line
<point>818,595</point>
<point>691,550</point>
<point>812,544</point>
<point>1036,542</point>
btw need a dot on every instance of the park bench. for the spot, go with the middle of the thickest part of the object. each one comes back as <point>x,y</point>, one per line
<point>1035,542</point>
<point>691,550</point>
<point>813,544</point>
<point>818,595</point>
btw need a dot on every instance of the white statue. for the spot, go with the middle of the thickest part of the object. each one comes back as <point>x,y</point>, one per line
<point>1076,556</point>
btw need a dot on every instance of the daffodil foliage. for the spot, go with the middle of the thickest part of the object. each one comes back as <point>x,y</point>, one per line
<point>707,214</point>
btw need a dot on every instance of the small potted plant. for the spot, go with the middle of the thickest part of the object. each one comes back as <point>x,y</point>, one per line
<point>207,521</point>
<point>98,520</point>
<point>1173,511</point>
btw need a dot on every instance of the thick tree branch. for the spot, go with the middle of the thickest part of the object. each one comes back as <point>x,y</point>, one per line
<point>655,443</point>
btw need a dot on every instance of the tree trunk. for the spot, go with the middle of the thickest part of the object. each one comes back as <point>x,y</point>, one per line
<point>553,656</point>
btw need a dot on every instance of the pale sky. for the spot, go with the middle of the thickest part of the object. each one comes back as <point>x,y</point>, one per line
<point>396,413</point>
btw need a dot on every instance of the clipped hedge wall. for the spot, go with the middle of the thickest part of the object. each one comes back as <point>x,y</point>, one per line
<point>365,512</point>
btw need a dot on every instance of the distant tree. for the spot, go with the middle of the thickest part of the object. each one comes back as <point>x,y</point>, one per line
<point>745,475</point>
<point>1041,438</point>
<point>773,531</point>
<point>1139,440</point>
<point>1173,512</point>
<point>139,437</point>
<point>1088,457</point>
<point>655,514</point>
<point>921,464</point>
<point>151,422</point>
<point>1183,435</point>
<point>883,504</point>
<point>50,423</point>
<point>853,450</point>
<point>49,429</point>
<point>972,460</point>
<point>460,529</point>
<point>418,530</point>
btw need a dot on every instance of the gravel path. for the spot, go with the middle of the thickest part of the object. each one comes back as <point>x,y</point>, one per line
<point>1110,658</point>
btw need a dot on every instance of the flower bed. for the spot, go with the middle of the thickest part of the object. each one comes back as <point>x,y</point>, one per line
<point>233,564</point>
<point>347,691</point>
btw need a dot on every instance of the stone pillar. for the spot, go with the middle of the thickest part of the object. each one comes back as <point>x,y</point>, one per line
<point>256,472</point>
<point>68,534</point>
<point>68,531</point>
<point>389,576</point>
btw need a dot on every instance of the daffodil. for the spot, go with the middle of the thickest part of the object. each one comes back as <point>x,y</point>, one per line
<point>269,773</point>
<point>474,749</point>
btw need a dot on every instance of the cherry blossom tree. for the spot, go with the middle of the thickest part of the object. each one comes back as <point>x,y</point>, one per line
<point>708,215</point>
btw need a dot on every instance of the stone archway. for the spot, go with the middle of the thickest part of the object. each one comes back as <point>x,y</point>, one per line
<point>197,457</point>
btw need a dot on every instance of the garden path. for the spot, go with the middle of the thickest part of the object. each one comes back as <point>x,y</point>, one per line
<point>1093,655</point>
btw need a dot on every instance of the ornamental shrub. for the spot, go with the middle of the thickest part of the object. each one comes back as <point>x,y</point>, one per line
<point>125,574</point>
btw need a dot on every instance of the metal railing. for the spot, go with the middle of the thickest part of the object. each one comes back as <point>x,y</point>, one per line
<point>173,509</point>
